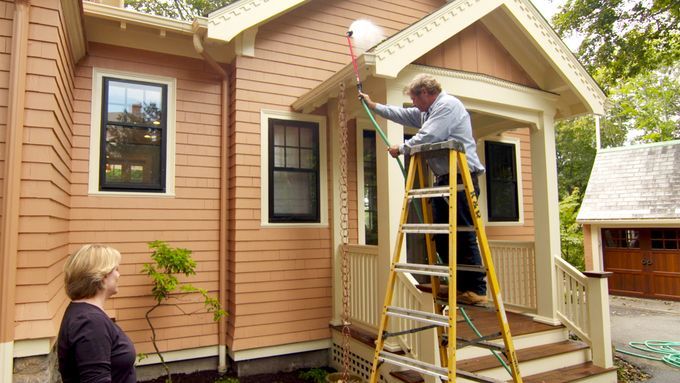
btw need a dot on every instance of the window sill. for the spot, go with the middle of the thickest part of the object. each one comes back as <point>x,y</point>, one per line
<point>267,225</point>
<point>131,194</point>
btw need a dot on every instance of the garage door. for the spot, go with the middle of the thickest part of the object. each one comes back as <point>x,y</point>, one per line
<point>645,262</point>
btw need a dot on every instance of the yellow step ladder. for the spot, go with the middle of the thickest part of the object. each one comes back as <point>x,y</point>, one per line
<point>445,323</point>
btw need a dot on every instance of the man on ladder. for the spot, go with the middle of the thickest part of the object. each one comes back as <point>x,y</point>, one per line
<point>442,117</point>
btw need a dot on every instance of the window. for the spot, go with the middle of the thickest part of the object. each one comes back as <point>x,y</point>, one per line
<point>665,239</point>
<point>503,203</point>
<point>370,200</point>
<point>293,171</point>
<point>132,134</point>
<point>621,238</point>
<point>293,175</point>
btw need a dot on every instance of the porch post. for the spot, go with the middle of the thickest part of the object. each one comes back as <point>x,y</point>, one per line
<point>546,216</point>
<point>334,150</point>
<point>390,195</point>
<point>598,311</point>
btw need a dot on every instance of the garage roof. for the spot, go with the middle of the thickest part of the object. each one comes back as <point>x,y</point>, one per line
<point>634,183</point>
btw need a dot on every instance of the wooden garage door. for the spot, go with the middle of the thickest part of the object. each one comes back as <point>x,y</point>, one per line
<point>645,262</point>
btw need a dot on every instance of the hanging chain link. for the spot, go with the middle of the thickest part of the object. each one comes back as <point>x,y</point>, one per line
<point>344,231</point>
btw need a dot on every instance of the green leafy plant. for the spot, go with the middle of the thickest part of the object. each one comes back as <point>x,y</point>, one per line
<point>227,379</point>
<point>168,262</point>
<point>316,375</point>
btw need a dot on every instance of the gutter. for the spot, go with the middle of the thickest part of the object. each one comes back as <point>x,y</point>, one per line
<point>11,189</point>
<point>200,31</point>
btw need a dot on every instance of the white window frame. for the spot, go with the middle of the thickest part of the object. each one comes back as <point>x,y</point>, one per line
<point>265,115</point>
<point>481,150</point>
<point>98,75</point>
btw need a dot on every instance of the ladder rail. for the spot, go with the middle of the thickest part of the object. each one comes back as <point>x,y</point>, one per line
<point>437,320</point>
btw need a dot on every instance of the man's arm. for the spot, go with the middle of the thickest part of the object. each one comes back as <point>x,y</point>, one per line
<point>403,116</point>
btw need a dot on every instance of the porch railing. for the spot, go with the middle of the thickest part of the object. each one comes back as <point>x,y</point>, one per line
<point>363,266</point>
<point>515,264</point>
<point>583,307</point>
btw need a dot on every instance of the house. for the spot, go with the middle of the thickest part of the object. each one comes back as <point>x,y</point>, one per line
<point>631,219</point>
<point>123,128</point>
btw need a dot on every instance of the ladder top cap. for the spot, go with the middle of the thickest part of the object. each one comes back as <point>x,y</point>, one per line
<point>436,146</point>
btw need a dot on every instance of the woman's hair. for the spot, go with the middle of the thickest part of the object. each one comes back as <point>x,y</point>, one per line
<point>423,82</point>
<point>85,270</point>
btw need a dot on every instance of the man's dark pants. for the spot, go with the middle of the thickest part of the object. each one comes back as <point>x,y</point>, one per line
<point>467,250</point>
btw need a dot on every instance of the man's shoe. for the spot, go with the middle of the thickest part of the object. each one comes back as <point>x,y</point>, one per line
<point>471,298</point>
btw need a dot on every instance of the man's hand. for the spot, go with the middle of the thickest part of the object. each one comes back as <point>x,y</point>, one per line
<point>394,151</point>
<point>365,97</point>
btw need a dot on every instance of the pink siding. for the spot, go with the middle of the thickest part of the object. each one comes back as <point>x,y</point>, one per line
<point>476,50</point>
<point>190,219</point>
<point>524,232</point>
<point>6,14</point>
<point>46,172</point>
<point>283,274</point>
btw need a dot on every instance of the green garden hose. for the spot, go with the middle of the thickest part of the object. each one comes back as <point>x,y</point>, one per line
<point>495,353</point>
<point>670,351</point>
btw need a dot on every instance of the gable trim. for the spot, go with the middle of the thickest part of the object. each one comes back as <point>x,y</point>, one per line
<point>228,22</point>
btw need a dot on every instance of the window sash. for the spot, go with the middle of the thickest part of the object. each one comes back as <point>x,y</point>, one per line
<point>294,164</point>
<point>158,182</point>
<point>501,182</point>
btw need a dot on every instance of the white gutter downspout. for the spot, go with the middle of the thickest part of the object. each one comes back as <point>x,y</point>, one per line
<point>11,189</point>
<point>199,35</point>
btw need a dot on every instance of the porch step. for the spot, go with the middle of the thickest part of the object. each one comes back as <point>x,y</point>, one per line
<point>584,372</point>
<point>489,365</point>
<point>523,355</point>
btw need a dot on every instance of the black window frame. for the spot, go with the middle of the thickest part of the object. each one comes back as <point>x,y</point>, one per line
<point>163,127</point>
<point>493,181</point>
<point>315,216</point>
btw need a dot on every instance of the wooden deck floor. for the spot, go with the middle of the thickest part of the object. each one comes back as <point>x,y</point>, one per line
<point>486,322</point>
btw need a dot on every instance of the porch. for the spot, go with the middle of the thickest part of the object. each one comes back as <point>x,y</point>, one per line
<point>540,346</point>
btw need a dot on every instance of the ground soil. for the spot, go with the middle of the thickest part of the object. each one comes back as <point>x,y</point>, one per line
<point>214,376</point>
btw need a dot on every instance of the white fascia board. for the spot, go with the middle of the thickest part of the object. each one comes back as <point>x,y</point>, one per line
<point>228,22</point>
<point>631,222</point>
<point>129,16</point>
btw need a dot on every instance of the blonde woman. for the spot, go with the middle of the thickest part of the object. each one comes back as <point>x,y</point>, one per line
<point>91,348</point>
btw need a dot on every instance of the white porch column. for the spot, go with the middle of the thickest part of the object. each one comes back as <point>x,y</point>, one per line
<point>334,220</point>
<point>546,216</point>
<point>390,194</point>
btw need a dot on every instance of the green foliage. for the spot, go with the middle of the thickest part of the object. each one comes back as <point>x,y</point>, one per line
<point>571,232</point>
<point>227,379</point>
<point>622,38</point>
<point>316,375</point>
<point>177,9</point>
<point>168,262</point>
<point>649,104</point>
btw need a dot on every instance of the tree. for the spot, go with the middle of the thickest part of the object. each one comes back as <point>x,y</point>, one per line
<point>649,104</point>
<point>571,234</point>
<point>622,38</point>
<point>177,9</point>
<point>168,262</point>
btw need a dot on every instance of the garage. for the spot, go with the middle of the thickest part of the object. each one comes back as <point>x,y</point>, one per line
<point>631,219</point>
<point>645,262</point>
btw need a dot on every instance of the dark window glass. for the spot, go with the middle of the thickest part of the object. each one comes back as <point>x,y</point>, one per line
<point>621,238</point>
<point>501,182</point>
<point>370,189</point>
<point>668,239</point>
<point>293,171</point>
<point>133,141</point>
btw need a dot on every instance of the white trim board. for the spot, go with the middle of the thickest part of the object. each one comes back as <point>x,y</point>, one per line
<point>265,115</point>
<point>95,132</point>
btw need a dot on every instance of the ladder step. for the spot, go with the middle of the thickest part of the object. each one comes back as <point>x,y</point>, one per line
<point>413,268</point>
<point>420,316</point>
<point>430,369</point>
<point>413,364</point>
<point>438,191</point>
<point>432,228</point>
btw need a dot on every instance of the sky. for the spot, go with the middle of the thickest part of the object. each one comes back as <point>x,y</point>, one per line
<point>547,7</point>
